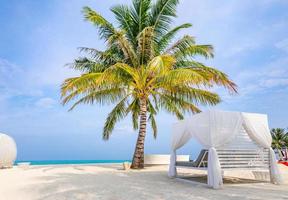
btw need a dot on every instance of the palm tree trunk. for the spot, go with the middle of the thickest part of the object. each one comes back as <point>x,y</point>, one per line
<point>138,157</point>
<point>280,154</point>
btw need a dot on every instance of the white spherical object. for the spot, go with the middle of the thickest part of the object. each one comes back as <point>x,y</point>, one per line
<point>8,151</point>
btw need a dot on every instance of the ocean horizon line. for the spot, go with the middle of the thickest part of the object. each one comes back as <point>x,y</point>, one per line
<point>69,162</point>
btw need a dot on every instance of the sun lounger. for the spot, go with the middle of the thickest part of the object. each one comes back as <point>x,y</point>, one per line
<point>232,159</point>
<point>200,162</point>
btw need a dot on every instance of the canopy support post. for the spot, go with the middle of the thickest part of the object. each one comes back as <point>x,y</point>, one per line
<point>275,176</point>
<point>172,167</point>
<point>214,179</point>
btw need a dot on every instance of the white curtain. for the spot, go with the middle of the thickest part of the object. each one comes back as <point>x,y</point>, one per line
<point>256,125</point>
<point>212,129</point>
<point>180,136</point>
<point>275,174</point>
<point>215,129</point>
<point>215,179</point>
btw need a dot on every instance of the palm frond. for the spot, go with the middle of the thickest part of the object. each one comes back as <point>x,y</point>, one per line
<point>178,104</point>
<point>170,105</point>
<point>135,116</point>
<point>140,14</point>
<point>152,120</point>
<point>197,50</point>
<point>124,18</point>
<point>216,77</point>
<point>84,81</point>
<point>106,29</point>
<point>134,108</point>
<point>126,47</point>
<point>166,39</point>
<point>183,76</point>
<point>132,72</point>
<point>151,108</point>
<point>186,47</point>
<point>86,65</point>
<point>185,42</point>
<point>104,96</point>
<point>161,16</point>
<point>118,113</point>
<point>107,57</point>
<point>189,94</point>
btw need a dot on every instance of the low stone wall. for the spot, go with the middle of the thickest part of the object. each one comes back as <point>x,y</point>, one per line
<point>162,159</point>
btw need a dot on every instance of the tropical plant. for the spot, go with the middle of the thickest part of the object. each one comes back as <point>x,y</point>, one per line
<point>279,140</point>
<point>141,72</point>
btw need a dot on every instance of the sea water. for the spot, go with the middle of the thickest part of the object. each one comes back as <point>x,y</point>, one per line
<point>70,162</point>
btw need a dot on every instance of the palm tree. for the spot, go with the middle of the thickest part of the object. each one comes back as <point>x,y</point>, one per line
<point>279,140</point>
<point>140,72</point>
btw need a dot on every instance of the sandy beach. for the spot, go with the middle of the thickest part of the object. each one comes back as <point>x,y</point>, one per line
<point>109,181</point>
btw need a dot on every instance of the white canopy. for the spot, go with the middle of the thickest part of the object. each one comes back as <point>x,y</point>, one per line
<point>215,129</point>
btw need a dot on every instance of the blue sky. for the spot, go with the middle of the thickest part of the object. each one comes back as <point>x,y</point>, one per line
<point>38,38</point>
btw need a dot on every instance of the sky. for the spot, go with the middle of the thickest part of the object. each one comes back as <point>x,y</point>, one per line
<point>37,39</point>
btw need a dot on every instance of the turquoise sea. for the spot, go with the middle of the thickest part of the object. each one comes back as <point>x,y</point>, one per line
<point>70,162</point>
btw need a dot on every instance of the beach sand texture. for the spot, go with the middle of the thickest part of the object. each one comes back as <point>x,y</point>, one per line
<point>109,181</point>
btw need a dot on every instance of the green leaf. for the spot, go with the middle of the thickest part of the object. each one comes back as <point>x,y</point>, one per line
<point>162,13</point>
<point>153,125</point>
<point>106,29</point>
<point>166,39</point>
<point>118,113</point>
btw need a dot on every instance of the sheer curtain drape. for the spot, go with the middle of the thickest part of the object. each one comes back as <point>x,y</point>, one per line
<point>256,125</point>
<point>180,136</point>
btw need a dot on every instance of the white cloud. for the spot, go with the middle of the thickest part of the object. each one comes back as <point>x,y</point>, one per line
<point>270,83</point>
<point>235,28</point>
<point>283,45</point>
<point>15,81</point>
<point>273,75</point>
<point>45,102</point>
<point>124,128</point>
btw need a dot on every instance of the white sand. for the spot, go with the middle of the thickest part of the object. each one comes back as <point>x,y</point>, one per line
<point>110,182</point>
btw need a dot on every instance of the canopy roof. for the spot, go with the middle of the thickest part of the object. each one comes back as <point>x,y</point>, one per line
<point>216,128</point>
